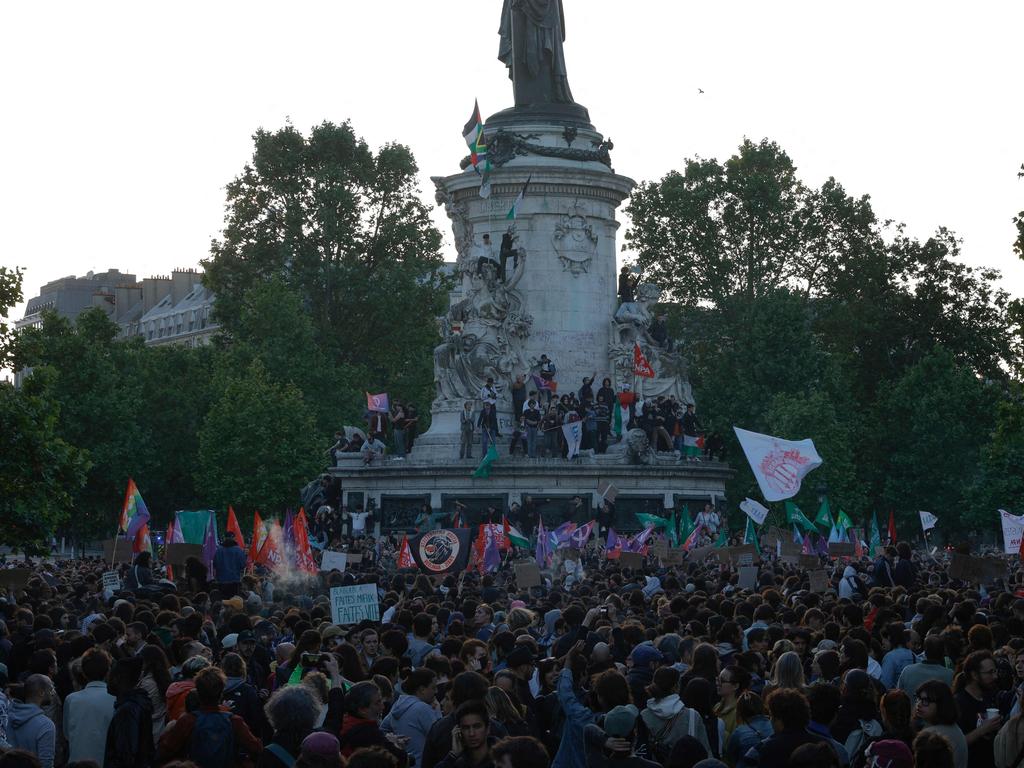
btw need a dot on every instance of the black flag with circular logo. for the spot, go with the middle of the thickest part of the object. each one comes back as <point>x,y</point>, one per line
<point>442,551</point>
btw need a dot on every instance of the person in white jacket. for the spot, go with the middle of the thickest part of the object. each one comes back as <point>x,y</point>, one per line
<point>848,586</point>
<point>414,712</point>
<point>667,718</point>
<point>88,712</point>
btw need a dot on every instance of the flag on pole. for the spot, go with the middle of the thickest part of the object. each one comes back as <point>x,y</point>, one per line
<point>673,530</point>
<point>484,469</point>
<point>655,521</point>
<point>142,541</point>
<point>834,536</point>
<point>843,523</point>
<point>134,513</point>
<point>779,466</point>
<point>638,543</point>
<point>797,538</point>
<point>796,517</point>
<point>641,365</point>
<point>542,384</point>
<point>892,527</point>
<point>691,540</point>
<point>378,403</point>
<point>169,539</point>
<point>492,554</point>
<point>303,552</point>
<point>513,536</point>
<point>754,510</point>
<point>518,202</point>
<point>750,536</point>
<point>928,520</point>
<point>405,554</point>
<point>473,134</point>
<point>723,539</point>
<point>259,535</point>
<point>543,551</point>
<point>876,536</point>
<point>685,523</point>
<point>613,547</point>
<point>578,538</point>
<point>807,548</point>
<point>824,518</point>
<point>271,552</point>
<point>617,420</point>
<point>234,527</point>
<point>210,541</point>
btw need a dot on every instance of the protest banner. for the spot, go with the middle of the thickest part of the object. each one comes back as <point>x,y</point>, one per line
<point>607,491</point>
<point>177,554</point>
<point>659,548</point>
<point>14,578</point>
<point>674,557</point>
<point>841,549</point>
<point>118,551</point>
<point>334,561</point>
<point>809,562</point>
<point>1013,530</point>
<point>975,569</point>
<point>819,581</point>
<point>111,581</point>
<point>748,577</point>
<point>789,547</point>
<point>350,605</point>
<point>353,558</point>
<point>698,554</point>
<point>527,575</point>
<point>733,554</point>
<point>632,560</point>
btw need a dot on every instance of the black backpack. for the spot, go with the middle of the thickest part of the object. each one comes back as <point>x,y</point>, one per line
<point>213,741</point>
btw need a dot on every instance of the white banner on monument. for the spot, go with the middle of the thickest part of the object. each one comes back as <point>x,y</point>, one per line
<point>778,465</point>
<point>573,432</point>
<point>1013,527</point>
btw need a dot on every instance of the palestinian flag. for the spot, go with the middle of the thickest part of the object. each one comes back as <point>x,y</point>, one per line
<point>442,551</point>
<point>513,537</point>
<point>473,133</point>
<point>517,203</point>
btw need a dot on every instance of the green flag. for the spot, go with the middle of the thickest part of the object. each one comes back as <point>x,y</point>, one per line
<point>723,538</point>
<point>673,530</point>
<point>876,536</point>
<point>648,521</point>
<point>484,470</point>
<point>824,517</point>
<point>617,420</point>
<point>843,522</point>
<point>750,536</point>
<point>685,524</point>
<point>796,517</point>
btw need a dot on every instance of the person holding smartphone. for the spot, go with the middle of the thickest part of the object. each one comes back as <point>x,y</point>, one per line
<point>471,738</point>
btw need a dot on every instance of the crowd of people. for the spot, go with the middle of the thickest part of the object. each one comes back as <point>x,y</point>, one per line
<point>894,664</point>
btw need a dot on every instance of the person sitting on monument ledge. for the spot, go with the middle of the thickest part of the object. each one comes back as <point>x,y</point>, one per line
<point>372,450</point>
<point>485,254</point>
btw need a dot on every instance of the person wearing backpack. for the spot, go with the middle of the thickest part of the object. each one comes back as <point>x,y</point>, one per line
<point>210,737</point>
<point>666,717</point>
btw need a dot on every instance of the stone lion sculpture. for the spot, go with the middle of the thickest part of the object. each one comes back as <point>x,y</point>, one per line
<point>638,448</point>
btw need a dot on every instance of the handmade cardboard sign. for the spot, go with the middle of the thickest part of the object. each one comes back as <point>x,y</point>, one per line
<point>118,551</point>
<point>975,569</point>
<point>748,577</point>
<point>810,562</point>
<point>659,548</point>
<point>674,557</point>
<point>633,560</point>
<point>14,578</point>
<point>177,554</point>
<point>790,547</point>
<point>527,575</point>
<point>841,549</point>
<point>697,554</point>
<point>733,554</point>
<point>332,561</point>
<point>111,581</point>
<point>775,535</point>
<point>607,491</point>
<point>350,605</point>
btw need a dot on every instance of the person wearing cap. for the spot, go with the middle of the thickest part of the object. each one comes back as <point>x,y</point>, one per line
<point>228,564</point>
<point>617,740</point>
<point>642,663</point>
<point>521,662</point>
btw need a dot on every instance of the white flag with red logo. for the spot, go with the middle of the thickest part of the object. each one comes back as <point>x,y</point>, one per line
<point>779,466</point>
<point>405,555</point>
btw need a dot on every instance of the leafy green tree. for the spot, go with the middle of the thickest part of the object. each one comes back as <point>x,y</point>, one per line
<point>345,229</point>
<point>98,395</point>
<point>1000,483</point>
<point>258,444</point>
<point>10,294</point>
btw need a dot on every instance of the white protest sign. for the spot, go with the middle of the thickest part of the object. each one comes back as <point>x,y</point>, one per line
<point>111,581</point>
<point>748,577</point>
<point>350,605</point>
<point>754,510</point>
<point>334,561</point>
<point>1013,527</point>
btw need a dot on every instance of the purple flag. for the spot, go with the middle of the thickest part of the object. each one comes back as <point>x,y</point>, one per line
<point>562,533</point>
<point>492,557</point>
<point>578,539</point>
<point>808,548</point>
<point>638,542</point>
<point>543,553</point>
<point>210,541</point>
<point>822,545</point>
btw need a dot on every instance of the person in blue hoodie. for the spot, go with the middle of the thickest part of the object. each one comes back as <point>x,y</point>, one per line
<point>414,712</point>
<point>228,564</point>
<point>29,728</point>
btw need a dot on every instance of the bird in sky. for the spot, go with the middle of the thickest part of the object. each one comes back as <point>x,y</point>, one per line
<point>700,90</point>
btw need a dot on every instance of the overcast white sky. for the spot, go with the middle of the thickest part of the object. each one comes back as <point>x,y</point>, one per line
<point>123,121</point>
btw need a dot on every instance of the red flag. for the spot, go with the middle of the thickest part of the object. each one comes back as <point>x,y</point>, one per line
<point>641,366</point>
<point>234,528</point>
<point>259,535</point>
<point>405,555</point>
<point>303,552</point>
<point>270,552</point>
<point>1021,550</point>
<point>506,541</point>
<point>142,542</point>
<point>892,527</point>
<point>169,539</point>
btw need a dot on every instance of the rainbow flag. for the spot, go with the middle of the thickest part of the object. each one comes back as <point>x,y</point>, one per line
<point>134,514</point>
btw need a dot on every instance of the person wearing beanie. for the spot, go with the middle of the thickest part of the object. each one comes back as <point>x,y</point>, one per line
<point>642,663</point>
<point>617,740</point>
<point>321,749</point>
